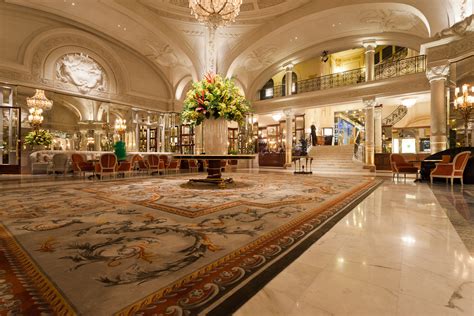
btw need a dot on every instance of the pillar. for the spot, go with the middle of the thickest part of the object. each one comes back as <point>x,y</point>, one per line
<point>378,129</point>
<point>289,79</point>
<point>439,118</point>
<point>369,104</point>
<point>369,46</point>
<point>289,137</point>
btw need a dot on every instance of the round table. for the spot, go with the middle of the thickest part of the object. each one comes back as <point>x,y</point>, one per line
<point>214,174</point>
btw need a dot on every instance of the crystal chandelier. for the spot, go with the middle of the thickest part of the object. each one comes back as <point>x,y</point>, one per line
<point>39,101</point>
<point>120,125</point>
<point>464,104</point>
<point>35,118</point>
<point>215,13</point>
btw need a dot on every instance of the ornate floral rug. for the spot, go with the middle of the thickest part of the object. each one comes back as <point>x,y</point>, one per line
<point>158,245</point>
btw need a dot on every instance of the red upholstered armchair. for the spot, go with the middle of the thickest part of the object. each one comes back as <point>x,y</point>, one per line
<point>153,164</point>
<point>451,170</point>
<point>79,165</point>
<point>107,165</point>
<point>400,165</point>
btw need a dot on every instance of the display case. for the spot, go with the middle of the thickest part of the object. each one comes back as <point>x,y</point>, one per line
<point>186,139</point>
<point>233,139</point>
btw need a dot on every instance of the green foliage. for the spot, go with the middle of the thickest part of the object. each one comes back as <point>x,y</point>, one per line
<point>214,97</point>
<point>119,149</point>
<point>39,137</point>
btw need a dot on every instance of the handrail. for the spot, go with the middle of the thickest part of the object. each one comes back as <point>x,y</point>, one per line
<point>384,70</point>
<point>395,116</point>
<point>400,67</point>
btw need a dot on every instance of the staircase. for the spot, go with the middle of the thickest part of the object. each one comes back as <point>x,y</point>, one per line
<point>335,159</point>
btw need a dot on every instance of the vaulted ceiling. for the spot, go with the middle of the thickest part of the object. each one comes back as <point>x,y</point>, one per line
<point>266,35</point>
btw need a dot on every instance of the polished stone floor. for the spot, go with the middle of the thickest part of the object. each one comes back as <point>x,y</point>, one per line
<point>404,250</point>
<point>396,253</point>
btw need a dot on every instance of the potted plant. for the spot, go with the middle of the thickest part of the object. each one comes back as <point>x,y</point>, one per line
<point>39,139</point>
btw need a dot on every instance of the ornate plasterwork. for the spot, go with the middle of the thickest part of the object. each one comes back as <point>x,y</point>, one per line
<point>437,72</point>
<point>48,45</point>
<point>81,71</point>
<point>164,55</point>
<point>260,58</point>
<point>460,29</point>
<point>390,20</point>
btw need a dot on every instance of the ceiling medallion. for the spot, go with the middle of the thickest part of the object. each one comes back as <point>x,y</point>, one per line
<point>215,13</point>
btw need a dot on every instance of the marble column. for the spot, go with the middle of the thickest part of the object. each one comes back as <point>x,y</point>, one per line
<point>289,137</point>
<point>289,79</point>
<point>439,118</point>
<point>211,51</point>
<point>369,133</point>
<point>378,129</point>
<point>369,46</point>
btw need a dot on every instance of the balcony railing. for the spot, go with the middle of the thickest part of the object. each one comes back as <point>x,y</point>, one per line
<point>342,79</point>
<point>385,70</point>
<point>401,67</point>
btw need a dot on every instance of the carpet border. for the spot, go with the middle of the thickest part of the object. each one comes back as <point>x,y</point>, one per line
<point>253,286</point>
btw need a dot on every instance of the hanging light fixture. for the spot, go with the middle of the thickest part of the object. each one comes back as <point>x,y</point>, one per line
<point>215,13</point>
<point>35,117</point>
<point>39,101</point>
<point>464,104</point>
<point>120,125</point>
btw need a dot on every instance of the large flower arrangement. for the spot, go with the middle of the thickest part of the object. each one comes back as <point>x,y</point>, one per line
<point>214,97</point>
<point>39,137</point>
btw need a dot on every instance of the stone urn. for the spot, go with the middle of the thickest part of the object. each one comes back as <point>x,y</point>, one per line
<point>215,136</point>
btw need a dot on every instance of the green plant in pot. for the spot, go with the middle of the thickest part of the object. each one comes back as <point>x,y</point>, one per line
<point>39,139</point>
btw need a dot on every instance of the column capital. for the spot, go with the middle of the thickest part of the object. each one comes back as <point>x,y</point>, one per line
<point>369,45</point>
<point>288,112</point>
<point>289,67</point>
<point>369,102</point>
<point>437,72</point>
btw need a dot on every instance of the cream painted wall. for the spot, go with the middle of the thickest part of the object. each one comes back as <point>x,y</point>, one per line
<point>142,79</point>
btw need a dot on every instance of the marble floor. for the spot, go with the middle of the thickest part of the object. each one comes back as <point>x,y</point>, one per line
<point>397,253</point>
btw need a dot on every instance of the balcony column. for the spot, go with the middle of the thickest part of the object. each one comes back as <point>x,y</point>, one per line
<point>289,79</point>
<point>439,118</point>
<point>378,129</point>
<point>289,137</point>
<point>369,59</point>
<point>369,133</point>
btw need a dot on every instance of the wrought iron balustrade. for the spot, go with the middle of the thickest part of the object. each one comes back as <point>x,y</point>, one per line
<point>342,79</point>
<point>401,67</point>
<point>395,116</point>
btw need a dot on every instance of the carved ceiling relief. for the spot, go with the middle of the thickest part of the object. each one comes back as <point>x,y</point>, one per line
<point>163,55</point>
<point>82,71</point>
<point>390,20</point>
<point>260,58</point>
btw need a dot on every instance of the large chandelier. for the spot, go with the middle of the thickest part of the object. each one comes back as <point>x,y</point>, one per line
<point>120,125</point>
<point>464,104</point>
<point>39,101</point>
<point>35,118</point>
<point>215,13</point>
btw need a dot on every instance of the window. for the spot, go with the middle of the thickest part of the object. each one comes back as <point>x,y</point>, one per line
<point>267,90</point>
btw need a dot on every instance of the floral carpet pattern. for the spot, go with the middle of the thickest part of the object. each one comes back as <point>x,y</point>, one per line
<point>154,246</point>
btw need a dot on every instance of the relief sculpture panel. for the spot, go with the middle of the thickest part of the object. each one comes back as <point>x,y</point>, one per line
<point>81,71</point>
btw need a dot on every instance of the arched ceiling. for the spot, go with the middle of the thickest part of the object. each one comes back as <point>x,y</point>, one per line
<point>265,33</point>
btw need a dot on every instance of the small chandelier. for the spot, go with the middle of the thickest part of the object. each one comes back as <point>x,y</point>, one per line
<point>464,104</point>
<point>120,125</point>
<point>39,101</point>
<point>215,13</point>
<point>35,117</point>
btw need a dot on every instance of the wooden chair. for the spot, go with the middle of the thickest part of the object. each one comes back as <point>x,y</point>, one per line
<point>173,165</point>
<point>453,170</point>
<point>60,164</point>
<point>124,168</point>
<point>107,165</point>
<point>142,165</point>
<point>193,165</point>
<point>400,165</point>
<point>153,164</point>
<point>79,165</point>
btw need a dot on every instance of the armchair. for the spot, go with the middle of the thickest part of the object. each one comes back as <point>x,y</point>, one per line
<point>453,170</point>
<point>153,164</point>
<point>173,165</point>
<point>400,165</point>
<point>79,165</point>
<point>107,165</point>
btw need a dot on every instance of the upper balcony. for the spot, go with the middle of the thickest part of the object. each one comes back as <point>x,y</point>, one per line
<point>386,70</point>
